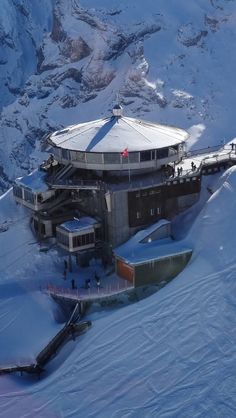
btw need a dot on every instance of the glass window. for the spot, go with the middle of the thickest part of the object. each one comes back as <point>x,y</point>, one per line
<point>162,153</point>
<point>172,151</point>
<point>62,238</point>
<point>56,151</point>
<point>112,158</point>
<point>65,154</point>
<point>17,191</point>
<point>82,240</point>
<point>133,157</point>
<point>94,158</point>
<point>29,196</point>
<point>145,155</point>
<point>78,156</point>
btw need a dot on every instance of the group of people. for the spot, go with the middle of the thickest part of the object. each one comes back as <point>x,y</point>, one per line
<point>179,171</point>
<point>65,271</point>
<point>88,281</point>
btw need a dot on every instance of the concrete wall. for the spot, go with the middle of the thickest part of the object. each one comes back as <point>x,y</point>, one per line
<point>175,205</point>
<point>117,220</point>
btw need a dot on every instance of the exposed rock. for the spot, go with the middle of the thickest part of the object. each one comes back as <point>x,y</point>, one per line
<point>122,41</point>
<point>75,49</point>
<point>97,80</point>
<point>68,101</point>
<point>6,39</point>
<point>57,34</point>
<point>88,18</point>
<point>114,12</point>
<point>55,80</point>
<point>189,36</point>
<point>212,23</point>
<point>22,9</point>
<point>41,66</point>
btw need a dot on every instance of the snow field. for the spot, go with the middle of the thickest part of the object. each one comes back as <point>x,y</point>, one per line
<point>170,355</point>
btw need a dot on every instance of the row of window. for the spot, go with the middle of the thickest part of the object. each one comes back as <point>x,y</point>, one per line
<point>116,158</point>
<point>63,239</point>
<point>153,212</point>
<point>17,191</point>
<point>28,196</point>
<point>81,240</point>
<point>147,192</point>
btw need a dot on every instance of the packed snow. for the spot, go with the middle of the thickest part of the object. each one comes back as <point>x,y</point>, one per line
<point>170,355</point>
<point>114,134</point>
<point>171,63</point>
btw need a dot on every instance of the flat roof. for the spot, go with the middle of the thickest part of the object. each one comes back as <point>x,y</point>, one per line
<point>34,181</point>
<point>134,252</point>
<point>77,225</point>
<point>115,134</point>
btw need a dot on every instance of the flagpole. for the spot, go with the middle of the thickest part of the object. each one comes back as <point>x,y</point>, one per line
<point>129,167</point>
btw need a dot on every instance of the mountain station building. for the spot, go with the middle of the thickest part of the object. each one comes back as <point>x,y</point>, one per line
<point>105,180</point>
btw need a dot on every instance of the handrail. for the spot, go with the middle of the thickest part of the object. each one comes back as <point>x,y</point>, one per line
<point>203,150</point>
<point>89,294</point>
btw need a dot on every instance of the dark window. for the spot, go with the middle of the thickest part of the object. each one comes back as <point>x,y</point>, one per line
<point>17,191</point>
<point>65,154</point>
<point>162,153</point>
<point>94,158</point>
<point>112,158</point>
<point>145,209</point>
<point>29,196</point>
<point>98,233</point>
<point>147,155</point>
<point>82,240</point>
<point>63,239</point>
<point>133,157</point>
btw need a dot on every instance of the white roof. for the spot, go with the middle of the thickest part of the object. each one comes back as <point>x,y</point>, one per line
<point>77,225</point>
<point>34,181</point>
<point>116,134</point>
<point>136,252</point>
<point>144,233</point>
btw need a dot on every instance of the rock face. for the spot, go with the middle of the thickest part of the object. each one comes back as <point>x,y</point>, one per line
<point>166,62</point>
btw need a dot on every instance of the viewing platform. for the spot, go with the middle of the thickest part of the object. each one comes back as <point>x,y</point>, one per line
<point>108,290</point>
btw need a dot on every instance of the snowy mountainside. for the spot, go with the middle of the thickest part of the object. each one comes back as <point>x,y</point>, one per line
<point>170,355</point>
<point>170,62</point>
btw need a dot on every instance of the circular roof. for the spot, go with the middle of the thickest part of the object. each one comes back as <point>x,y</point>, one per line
<point>115,134</point>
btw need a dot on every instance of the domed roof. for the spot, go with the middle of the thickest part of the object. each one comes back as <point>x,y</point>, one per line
<point>114,134</point>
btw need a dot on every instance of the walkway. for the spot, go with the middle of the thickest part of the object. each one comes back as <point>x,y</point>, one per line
<point>109,289</point>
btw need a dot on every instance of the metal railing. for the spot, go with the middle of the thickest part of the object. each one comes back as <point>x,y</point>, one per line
<point>205,150</point>
<point>76,183</point>
<point>111,289</point>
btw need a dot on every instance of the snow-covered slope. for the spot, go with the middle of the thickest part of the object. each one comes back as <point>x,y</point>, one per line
<point>170,355</point>
<point>170,62</point>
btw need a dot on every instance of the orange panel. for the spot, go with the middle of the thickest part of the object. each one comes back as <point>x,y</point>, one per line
<point>125,271</point>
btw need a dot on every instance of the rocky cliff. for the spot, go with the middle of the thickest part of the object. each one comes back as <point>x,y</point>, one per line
<point>65,61</point>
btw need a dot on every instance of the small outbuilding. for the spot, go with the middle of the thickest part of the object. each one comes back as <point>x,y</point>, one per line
<point>78,234</point>
<point>151,256</point>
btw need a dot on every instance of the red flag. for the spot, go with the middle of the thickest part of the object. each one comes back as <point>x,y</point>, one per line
<point>125,153</point>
